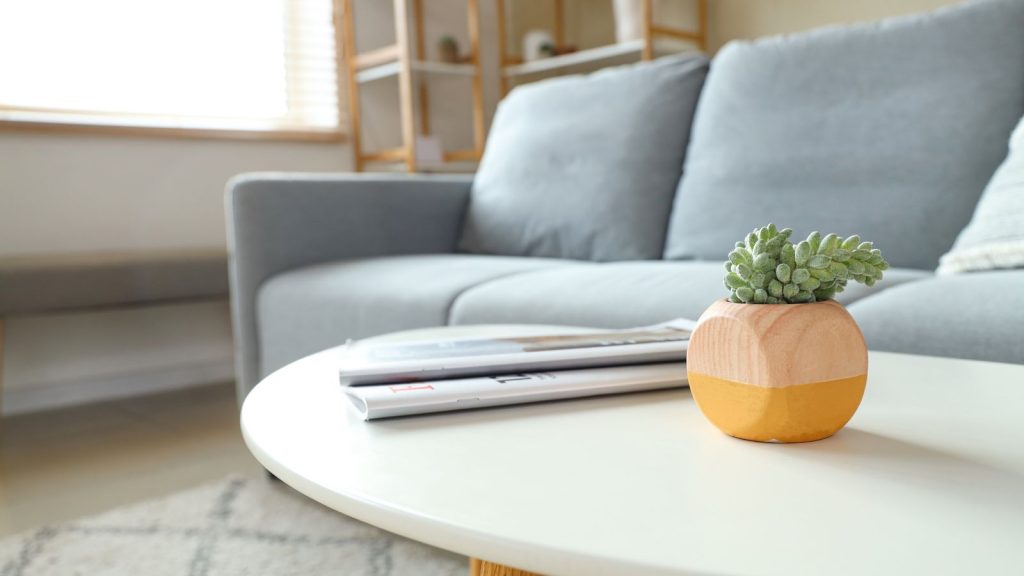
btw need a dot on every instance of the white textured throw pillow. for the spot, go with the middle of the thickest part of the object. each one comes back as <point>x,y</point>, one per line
<point>995,237</point>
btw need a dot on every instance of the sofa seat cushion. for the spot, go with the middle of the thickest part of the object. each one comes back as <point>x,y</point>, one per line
<point>613,295</point>
<point>312,308</point>
<point>979,316</point>
<point>887,130</point>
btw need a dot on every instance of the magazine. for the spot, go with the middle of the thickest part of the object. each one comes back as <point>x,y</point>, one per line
<point>405,399</point>
<point>365,363</point>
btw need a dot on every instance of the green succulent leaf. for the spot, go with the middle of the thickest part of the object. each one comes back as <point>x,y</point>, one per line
<point>823,274</point>
<point>839,270</point>
<point>759,280</point>
<point>768,268</point>
<point>788,254</point>
<point>824,294</point>
<point>828,244</point>
<point>733,280</point>
<point>819,261</point>
<point>811,284</point>
<point>745,293</point>
<point>741,256</point>
<point>782,272</point>
<point>743,271</point>
<point>763,263</point>
<point>760,296</point>
<point>814,240</point>
<point>802,253</point>
<point>774,245</point>
<point>804,296</point>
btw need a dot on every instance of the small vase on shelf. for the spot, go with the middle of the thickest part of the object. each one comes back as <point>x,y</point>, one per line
<point>628,21</point>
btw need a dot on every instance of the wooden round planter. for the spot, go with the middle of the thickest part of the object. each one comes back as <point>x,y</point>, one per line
<point>777,372</point>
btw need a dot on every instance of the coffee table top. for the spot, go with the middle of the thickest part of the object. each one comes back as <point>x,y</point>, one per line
<point>928,477</point>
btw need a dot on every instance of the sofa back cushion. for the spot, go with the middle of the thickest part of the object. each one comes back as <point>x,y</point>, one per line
<point>995,237</point>
<point>586,167</point>
<point>887,130</point>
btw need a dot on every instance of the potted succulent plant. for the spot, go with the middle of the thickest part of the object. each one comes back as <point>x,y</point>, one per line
<point>780,360</point>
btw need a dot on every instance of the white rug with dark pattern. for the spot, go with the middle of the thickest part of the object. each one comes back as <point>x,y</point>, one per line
<point>235,527</point>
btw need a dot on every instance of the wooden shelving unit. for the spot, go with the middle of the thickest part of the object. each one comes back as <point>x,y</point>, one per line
<point>643,48</point>
<point>406,60</point>
<point>397,60</point>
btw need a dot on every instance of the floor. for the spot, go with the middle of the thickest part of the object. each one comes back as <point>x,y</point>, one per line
<point>62,464</point>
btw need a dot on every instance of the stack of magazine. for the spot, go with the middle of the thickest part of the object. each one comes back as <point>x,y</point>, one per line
<point>388,379</point>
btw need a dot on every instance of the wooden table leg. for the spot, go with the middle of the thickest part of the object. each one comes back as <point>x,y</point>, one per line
<point>478,567</point>
<point>1,368</point>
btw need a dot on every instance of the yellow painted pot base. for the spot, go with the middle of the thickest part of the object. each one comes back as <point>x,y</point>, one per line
<point>798,413</point>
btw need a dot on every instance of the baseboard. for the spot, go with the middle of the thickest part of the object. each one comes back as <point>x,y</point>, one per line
<point>36,396</point>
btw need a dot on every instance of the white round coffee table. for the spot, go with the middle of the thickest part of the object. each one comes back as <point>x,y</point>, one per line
<point>928,478</point>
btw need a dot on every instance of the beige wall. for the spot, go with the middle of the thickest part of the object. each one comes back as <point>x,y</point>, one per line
<point>590,22</point>
<point>74,192</point>
<point>732,19</point>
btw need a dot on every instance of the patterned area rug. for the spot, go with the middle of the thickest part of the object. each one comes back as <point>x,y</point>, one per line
<point>235,527</point>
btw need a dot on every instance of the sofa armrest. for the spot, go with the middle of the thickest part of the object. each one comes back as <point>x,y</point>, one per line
<point>278,222</point>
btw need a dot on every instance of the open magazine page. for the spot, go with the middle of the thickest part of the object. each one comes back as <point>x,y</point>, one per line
<point>365,363</point>
<point>405,399</point>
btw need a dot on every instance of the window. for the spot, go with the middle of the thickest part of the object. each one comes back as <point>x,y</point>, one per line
<point>241,66</point>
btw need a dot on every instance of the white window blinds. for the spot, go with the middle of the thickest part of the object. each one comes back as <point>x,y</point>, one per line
<point>239,65</point>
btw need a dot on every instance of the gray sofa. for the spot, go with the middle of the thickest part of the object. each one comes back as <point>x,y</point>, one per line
<point>611,200</point>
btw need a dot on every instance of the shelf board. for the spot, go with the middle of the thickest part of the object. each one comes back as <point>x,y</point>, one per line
<point>418,66</point>
<point>453,167</point>
<point>457,167</point>
<point>376,57</point>
<point>456,161</point>
<point>576,58</point>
